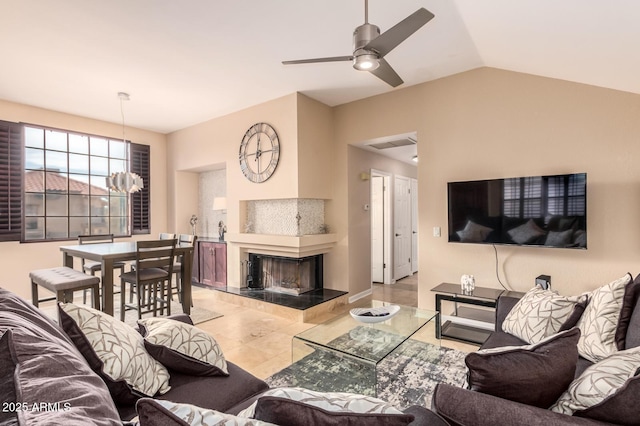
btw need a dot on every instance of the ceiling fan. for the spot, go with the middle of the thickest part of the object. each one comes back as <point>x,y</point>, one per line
<point>370,47</point>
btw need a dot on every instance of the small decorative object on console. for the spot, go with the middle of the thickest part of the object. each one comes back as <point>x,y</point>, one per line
<point>222,228</point>
<point>193,221</point>
<point>373,315</point>
<point>468,283</point>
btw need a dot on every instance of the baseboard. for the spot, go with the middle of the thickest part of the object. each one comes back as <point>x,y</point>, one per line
<point>360,295</point>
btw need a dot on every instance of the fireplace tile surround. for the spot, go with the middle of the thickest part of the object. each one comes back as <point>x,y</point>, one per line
<point>295,216</point>
<point>290,228</point>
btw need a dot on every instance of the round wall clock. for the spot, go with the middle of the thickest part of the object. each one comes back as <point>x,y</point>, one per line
<point>259,152</point>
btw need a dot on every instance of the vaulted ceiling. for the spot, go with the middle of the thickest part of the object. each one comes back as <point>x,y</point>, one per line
<point>184,62</point>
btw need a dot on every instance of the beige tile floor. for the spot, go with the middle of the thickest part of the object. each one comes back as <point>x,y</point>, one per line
<point>261,343</point>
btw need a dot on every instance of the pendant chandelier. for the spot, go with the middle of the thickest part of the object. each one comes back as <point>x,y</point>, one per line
<point>124,181</point>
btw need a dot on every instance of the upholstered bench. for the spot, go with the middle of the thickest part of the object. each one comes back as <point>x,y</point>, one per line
<point>63,281</point>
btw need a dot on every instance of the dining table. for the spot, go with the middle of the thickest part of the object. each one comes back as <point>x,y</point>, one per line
<point>108,253</point>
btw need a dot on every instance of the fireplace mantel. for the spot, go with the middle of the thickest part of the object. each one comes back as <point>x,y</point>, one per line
<point>284,245</point>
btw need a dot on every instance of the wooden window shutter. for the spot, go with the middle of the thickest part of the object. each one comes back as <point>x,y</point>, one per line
<point>140,201</point>
<point>10,181</point>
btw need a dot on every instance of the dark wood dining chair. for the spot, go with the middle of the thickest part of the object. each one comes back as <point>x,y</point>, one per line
<point>161,236</point>
<point>183,240</point>
<point>90,266</point>
<point>151,277</point>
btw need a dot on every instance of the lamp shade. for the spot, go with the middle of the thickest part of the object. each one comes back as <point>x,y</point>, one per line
<point>220,203</point>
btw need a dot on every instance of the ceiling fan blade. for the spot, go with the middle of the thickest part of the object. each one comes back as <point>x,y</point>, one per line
<point>313,61</point>
<point>395,35</point>
<point>385,73</point>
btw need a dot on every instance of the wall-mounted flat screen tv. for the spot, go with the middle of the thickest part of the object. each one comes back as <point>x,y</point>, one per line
<point>545,211</point>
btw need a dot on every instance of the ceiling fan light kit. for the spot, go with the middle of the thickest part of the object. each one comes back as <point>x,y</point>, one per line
<point>363,59</point>
<point>370,47</point>
<point>366,62</point>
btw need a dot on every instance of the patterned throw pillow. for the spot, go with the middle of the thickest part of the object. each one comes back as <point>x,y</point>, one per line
<point>539,314</point>
<point>606,390</point>
<point>533,375</point>
<point>157,412</point>
<point>183,347</point>
<point>600,320</point>
<point>303,407</point>
<point>116,352</point>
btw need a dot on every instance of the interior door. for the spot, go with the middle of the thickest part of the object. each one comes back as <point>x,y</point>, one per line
<point>377,229</point>
<point>402,227</point>
<point>414,226</point>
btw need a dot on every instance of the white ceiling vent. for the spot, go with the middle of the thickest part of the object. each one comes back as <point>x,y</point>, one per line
<point>393,144</point>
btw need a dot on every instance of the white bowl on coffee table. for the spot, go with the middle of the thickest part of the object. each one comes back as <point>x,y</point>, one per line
<point>373,315</point>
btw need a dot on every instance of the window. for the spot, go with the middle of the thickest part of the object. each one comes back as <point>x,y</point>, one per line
<point>65,193</point>
<point>10,181</point>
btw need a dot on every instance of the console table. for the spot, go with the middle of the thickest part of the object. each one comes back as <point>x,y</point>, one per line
<point>466,323</point>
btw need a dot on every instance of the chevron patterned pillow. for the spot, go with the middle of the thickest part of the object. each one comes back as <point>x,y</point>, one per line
<point>600,320</point>
<point>606,390</point>
<point>183,347</point>
<point>153,412</point>
<point>539,314</point>
<point>116,351</point>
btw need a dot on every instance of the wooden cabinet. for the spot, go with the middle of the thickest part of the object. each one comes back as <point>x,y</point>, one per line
<point>212,263</point>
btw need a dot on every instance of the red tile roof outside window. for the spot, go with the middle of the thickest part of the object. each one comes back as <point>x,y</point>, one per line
<point>34,182</point>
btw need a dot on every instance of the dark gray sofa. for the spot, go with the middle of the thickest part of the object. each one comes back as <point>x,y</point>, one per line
<point>39,364</point>
<point>465,407</point>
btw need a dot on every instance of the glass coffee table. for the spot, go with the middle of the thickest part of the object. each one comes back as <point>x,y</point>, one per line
<point>348,352</point>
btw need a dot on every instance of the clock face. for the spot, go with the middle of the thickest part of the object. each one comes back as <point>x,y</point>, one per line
<point>259,152</point>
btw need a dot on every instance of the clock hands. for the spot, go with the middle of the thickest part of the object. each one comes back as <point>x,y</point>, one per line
<point>252,146</point>
<point>258,153</point>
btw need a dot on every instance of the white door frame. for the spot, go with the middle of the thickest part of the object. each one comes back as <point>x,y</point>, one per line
<point>414,225</point>
<point>386,223</point>
<point>377,228</point>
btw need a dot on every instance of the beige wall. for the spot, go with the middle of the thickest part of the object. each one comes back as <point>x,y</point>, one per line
<point>186,204</point>
<point>315,149</point>
<point>484,123</point>
<point>359,230</point>
<point>304,148</point>
<point>217,142</point>
<point>490,123</point>
<point>16,260</point>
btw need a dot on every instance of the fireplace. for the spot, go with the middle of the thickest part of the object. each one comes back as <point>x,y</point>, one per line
<point>286,275</point>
